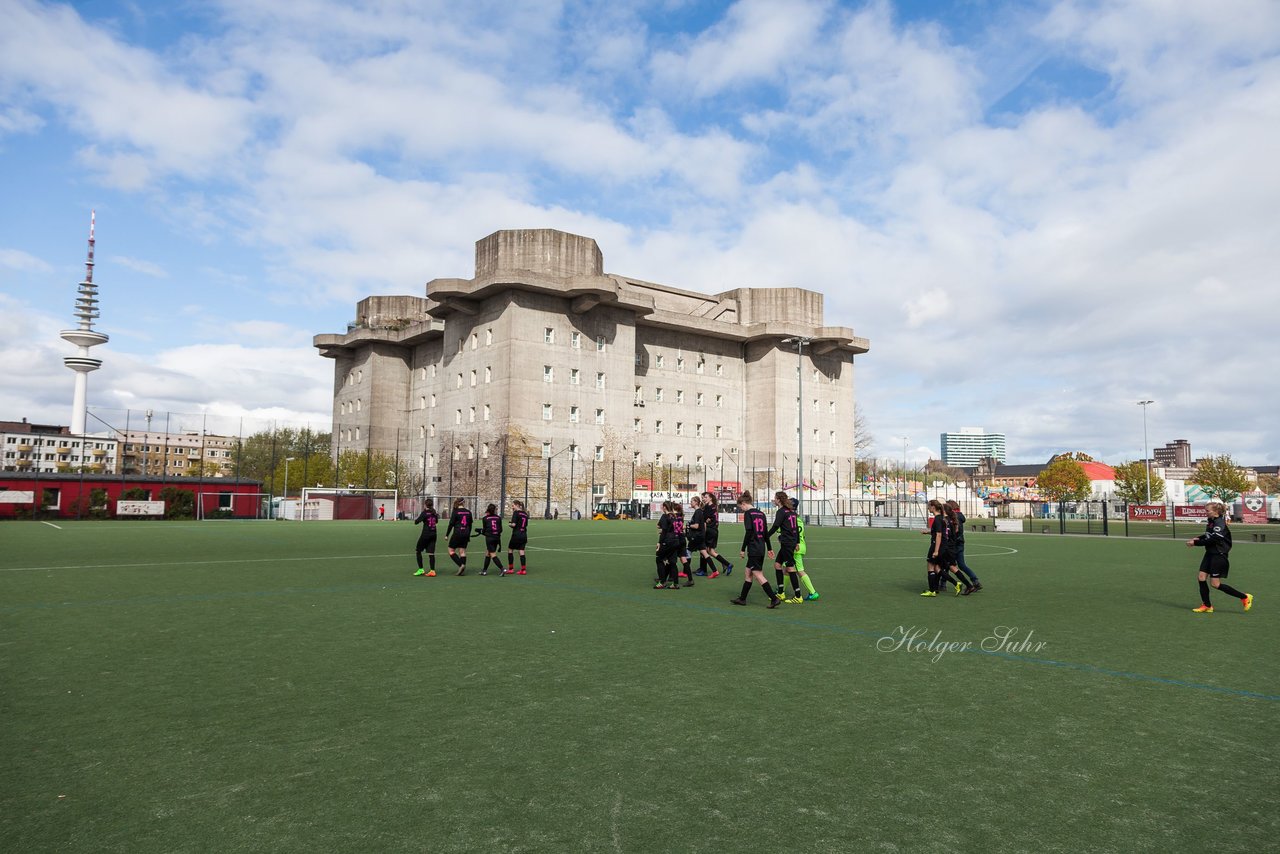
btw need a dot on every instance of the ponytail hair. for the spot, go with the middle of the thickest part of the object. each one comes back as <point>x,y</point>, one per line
<point>491,510</point>
<point>745,498</point>
<point>459,502</point>
<point>784,500</point>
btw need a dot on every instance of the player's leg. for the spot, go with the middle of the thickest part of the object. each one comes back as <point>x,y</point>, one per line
<point>804,576</point>
<point>1222,566</point>
<point>964,567</point>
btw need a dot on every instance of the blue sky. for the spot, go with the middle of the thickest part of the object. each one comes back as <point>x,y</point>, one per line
<point>1038,212</point>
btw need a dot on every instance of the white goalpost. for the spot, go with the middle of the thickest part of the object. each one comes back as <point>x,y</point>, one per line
<point>328,504</point>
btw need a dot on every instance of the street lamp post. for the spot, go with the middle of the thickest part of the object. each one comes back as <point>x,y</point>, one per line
<point>284,505</point>
<point>146,446</point>
<point>903,494</point>
<point>799,341</point>
<point>1146,461</point>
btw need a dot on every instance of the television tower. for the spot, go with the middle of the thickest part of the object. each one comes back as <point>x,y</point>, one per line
<point>84,337</point>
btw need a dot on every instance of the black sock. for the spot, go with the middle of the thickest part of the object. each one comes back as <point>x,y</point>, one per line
<point>1230,591</point>
<point>419,557</point>
<point>746,589</point>
<point>522,561</point>
<point>782,586</point>
<point>484,567</point>
<point>795,581</point>
<point>1204,593</point>
<point>933,582</point>
<point>511,560</point>
<point>431,561</point>
<point>723,562</point>
<point>768,591</point>
<point>662,570</point>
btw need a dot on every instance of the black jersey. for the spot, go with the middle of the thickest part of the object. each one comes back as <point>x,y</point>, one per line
<point>676,530</point>
<point>664,528</point>
<point>491,525</point>
<point>957,536</point>
<point>428,519</point>
<point>757,530</point>
<point>697,525</point>
<point>519,523</point>
<point>938,527</point>
<point>786,526</point>
<point>710,518</point>
<point>460,522</point>
<point>1216,538</point>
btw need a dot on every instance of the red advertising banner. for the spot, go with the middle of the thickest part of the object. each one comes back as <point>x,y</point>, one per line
<point>1253,508</point>
<point>1190,513</point>
<point>1148,512</point>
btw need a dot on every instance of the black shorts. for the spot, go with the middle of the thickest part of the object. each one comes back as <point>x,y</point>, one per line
<point>712,538</point>
<point>668,549</point>
<point>755,558</point>
<point>786,555</point>
<point>517,542</point>
<point>427,543</point>
<point>697,544</point>
<point>944,558</point>
<point>459,540</point>
<point>493,544</point>
<point>1215,566</point>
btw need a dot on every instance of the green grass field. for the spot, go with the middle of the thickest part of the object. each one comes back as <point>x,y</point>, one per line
<point>284,687</point>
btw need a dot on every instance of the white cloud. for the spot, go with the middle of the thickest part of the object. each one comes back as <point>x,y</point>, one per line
<point>146,268</point>
<point>756,40</point>
<point>1081,254</point>
<point>16,259</point>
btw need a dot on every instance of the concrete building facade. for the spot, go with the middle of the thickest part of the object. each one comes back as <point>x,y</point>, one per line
<point>27,447</point>
<point>971,446</point>
<point>543,352</point>
<point>158,453</point>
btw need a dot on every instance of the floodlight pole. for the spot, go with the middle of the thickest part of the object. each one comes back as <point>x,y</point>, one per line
<point>1146,461</point>
<point>799,341</point>
<point>284,505</point>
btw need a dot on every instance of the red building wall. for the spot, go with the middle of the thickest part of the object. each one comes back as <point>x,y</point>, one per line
<point>72,488</point>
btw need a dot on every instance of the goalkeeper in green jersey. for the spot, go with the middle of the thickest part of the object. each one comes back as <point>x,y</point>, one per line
<point>800,549</point>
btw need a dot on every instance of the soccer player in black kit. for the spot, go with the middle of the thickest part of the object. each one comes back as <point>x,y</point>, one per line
<point>786,526</point>
<point>670,546</point>
<point>428,519</point>
<point>519,537</point>
<point>754,545</point>
<point>491,527</point>
<point>697,534</point>
<point>1214,566</point>
<point>459,533</point>
<point>711,522</point>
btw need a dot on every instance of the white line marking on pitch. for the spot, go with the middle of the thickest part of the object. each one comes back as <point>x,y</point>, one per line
<point>51,525</point>
<point>184,562</point>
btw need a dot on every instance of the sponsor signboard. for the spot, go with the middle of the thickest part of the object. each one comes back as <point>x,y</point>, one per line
<point>1190,513</point>
<point>1148,512</point>
<point>139,508</point>
<point>17,496</point>
<point>1253,508</point>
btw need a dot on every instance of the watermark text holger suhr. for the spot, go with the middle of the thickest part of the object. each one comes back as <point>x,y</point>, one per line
<point>1006,639</point>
